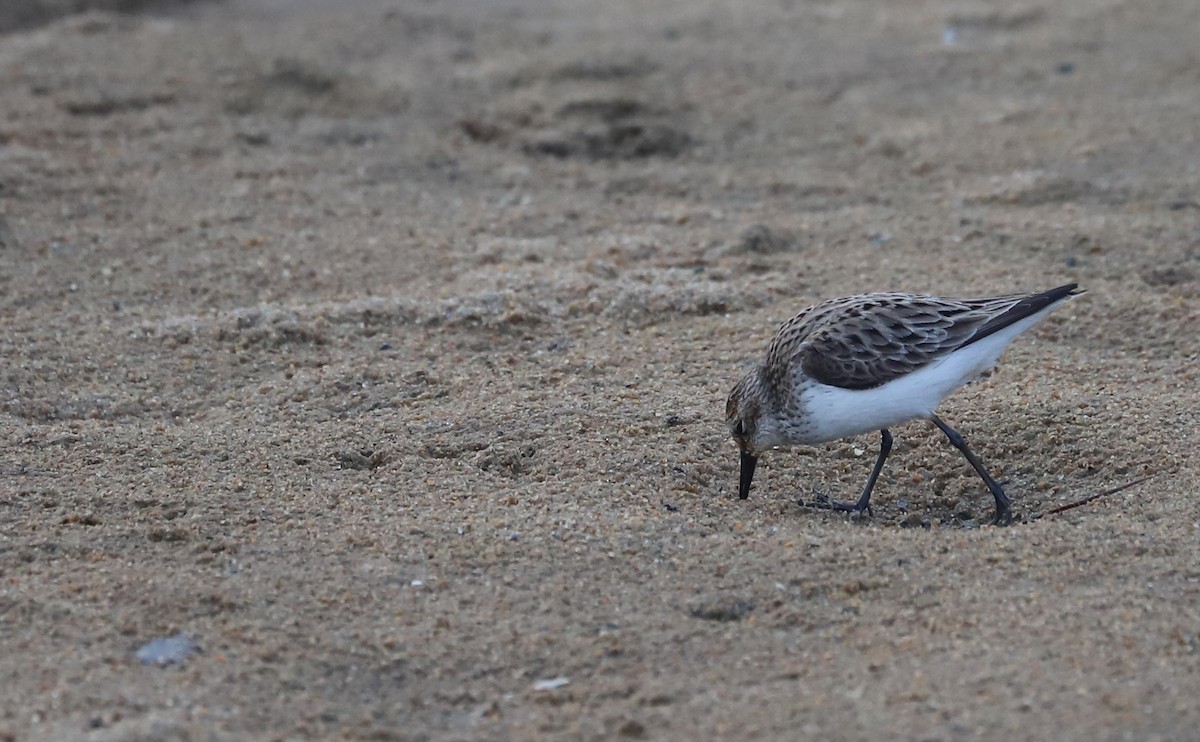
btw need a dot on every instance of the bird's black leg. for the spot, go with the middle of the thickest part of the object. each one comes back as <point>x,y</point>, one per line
<point>1003,515</point>
<point>864,500</point>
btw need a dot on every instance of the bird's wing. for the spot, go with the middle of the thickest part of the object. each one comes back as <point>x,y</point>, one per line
<point>869,343</point>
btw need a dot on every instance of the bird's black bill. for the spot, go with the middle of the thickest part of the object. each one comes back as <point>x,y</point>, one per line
<point>749,461</point>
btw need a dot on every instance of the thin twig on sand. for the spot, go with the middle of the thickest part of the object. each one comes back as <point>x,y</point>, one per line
<point>1089,498</point>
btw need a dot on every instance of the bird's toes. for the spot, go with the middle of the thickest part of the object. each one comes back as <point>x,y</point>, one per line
<point>819,500</point>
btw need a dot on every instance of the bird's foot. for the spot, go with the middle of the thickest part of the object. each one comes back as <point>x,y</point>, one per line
<point>1003,517</point>
<point>823,501</point>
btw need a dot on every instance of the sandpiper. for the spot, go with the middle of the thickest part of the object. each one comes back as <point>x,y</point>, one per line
<point>868,362</point>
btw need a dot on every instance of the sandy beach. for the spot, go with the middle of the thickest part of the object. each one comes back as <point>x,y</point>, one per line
<point>377,353</point>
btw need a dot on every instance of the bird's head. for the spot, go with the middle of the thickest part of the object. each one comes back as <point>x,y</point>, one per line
<point>742,414</point>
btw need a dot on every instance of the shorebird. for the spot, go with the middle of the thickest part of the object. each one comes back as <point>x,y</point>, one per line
<point>868,362</point>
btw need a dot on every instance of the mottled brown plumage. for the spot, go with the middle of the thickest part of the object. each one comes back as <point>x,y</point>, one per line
<point>865,362</point>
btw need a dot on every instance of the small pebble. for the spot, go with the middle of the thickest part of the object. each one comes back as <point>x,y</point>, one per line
<point>168,650</point>
<point>551,683</point>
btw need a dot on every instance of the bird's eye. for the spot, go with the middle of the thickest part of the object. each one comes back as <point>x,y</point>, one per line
<point>739,429</point>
